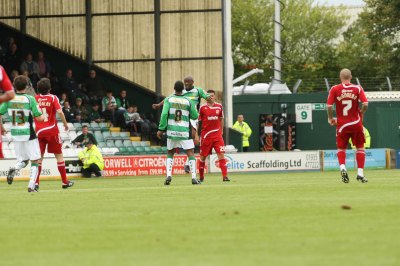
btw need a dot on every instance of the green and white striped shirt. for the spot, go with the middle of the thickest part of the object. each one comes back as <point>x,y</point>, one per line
<point>20,110</point>
<point>175,116</point>
<point>195,95</point>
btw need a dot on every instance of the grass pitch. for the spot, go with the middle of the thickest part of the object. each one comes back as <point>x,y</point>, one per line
<point>257,219</point>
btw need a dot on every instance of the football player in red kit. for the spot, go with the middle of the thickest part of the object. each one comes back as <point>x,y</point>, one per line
<point>47,131</point>
<point>211,123</point>
<point>8,93</point>
<point>346,97</point>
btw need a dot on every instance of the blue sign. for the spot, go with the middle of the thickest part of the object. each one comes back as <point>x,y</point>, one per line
<point>374,158</point>
<point>331,161</point>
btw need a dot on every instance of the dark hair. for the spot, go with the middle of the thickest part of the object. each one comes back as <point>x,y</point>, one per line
<point>20,83</point>
<point>44,86</point>
<point>85,126</point>
<point>211,91</point>
<point>109,91</point>
<point>179,86</point>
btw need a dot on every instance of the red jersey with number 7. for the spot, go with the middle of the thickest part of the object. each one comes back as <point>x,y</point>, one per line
<point>210,120</point>
<point>48,104</point>
<point>346,97</point>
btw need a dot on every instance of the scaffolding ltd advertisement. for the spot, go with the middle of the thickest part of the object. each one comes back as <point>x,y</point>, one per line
<point>269,161</point>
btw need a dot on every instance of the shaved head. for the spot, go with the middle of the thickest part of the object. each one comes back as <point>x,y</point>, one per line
<point>345,75</point>
<point>189,78</point>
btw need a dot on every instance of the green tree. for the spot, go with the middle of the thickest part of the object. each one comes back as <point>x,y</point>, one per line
<point>309,36</point>
<point>371,45</point>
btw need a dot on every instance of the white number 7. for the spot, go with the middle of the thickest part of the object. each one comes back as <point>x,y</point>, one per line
<point>347,106</point>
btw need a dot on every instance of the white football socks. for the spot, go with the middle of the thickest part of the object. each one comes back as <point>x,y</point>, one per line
<point>192,165</point>
<point>360,172</point>
<point>33,176</point>
<point>169,165</point>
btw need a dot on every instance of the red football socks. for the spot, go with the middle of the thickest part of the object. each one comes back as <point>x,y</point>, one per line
<point>38,173</point>
<point>341,154</point>
<point>224,169</point>
<point>63,173</point>
<point>360,158</point>
<point>201,169</point>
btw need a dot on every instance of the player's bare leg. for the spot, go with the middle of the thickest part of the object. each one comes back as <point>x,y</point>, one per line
<point>13,169</point>
<point>360,158</point>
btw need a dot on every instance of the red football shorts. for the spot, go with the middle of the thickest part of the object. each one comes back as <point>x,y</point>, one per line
<point>356,133</point>
<point>53,143</point>
<point>206,146</point>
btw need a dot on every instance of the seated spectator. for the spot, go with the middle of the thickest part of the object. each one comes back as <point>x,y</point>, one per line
<point>80,109</point>
<point>122,106</point>
<point>12,59</point>
<point>68,112</point>
<point>44,65</point>
<point>94,114</point>
<point>92,160</point>
<point>84,138</point>
<point>94,87</point>
<point>14,74</point>
<point>133,121</point>
<point>63,98</point>
<point>122,101</point>
<point>71,88</point>
<point>32,67</point>
<point>77,118</point>
<point>109,105</point>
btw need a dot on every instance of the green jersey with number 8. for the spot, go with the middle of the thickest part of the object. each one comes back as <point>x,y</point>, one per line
<point>176,113</point>
<point>20,110</point>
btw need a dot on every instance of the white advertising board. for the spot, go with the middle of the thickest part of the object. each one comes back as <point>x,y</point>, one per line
<point>49,169</point>
<point>269,161</point>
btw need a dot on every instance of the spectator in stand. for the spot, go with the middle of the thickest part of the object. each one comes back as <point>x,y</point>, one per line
<point>133,121</point>
<point>63,98</point>
<point>71,87</point>
<point>109,105</point>
<point>13,59</point>
<point>122,101</point>
<point>67,112</point>
<point>92,160</point>
<point>122,106</point>
<point>32,67</point>
<point>44,65</point>
<point>94,87</point>
<point>84,138</point>
<point>94,114</point>
<point>77,118</point>
<point>80,109</point>
<point>14,74</point>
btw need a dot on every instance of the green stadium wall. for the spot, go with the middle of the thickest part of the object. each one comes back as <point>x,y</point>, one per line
<point>382,120</point>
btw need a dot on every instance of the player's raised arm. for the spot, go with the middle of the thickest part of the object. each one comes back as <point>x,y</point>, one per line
<point>163,119</point>
<point>157,105</point>
<point>203,94</point>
